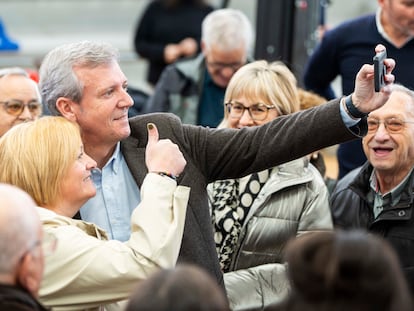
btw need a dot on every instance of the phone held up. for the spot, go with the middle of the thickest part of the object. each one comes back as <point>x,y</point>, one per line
<point>379,70</point>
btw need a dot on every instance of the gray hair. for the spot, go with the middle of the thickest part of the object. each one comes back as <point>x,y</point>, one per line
<point>396,87</point>
<point>13,71</point>
<point>401,88</point>
<point>227,29</point>
<point>19,225</point>
<point>57,77</point>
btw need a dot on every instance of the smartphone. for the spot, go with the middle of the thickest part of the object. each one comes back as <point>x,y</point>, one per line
<point>379,70</point>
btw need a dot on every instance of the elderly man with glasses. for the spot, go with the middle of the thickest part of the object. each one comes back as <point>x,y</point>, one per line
<point>193,89</point>
<point>20,99</point>
<point>379,195</point>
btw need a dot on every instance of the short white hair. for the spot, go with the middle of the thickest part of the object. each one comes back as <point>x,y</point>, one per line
<point>227,29</point>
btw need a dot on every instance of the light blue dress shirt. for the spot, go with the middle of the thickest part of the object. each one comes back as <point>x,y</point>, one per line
<point>117,195</point>
<point>348,121</point>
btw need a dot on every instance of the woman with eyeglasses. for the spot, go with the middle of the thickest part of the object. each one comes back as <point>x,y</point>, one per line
<point>19,98</point>
<point>46,159</point>
<point>254,216</point>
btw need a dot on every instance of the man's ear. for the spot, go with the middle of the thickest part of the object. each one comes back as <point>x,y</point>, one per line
<point>66,108</point>
<point>203,47</point>
<point>25,276</point>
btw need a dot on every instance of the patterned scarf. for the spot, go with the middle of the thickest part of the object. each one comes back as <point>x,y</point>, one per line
<point>232,200</point>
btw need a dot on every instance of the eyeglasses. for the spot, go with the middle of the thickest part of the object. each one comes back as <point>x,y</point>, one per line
<point>257,112</point>
<point>393,125</point>
<point>218,66</point>
<point>15,107</point>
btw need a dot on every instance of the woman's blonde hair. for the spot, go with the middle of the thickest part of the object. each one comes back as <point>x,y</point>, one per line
<point>264,82</point>
<point>36,156</point>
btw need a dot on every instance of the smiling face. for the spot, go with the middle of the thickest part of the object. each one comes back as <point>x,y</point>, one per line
<point>222,64</point>
<point>21,88</point>
<point>392,154</point>
<point>102,113</point>
<point>268,90</point>
<point>77,185</point>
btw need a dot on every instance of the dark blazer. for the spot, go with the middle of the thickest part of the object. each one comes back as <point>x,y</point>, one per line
<point>215,154</point>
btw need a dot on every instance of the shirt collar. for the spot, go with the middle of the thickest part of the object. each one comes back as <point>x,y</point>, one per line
<point>114,161</point>
<point>395,193</point>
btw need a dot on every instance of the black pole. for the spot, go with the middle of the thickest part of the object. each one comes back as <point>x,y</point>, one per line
<point>224,4</point>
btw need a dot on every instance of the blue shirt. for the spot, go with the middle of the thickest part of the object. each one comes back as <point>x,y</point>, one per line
<point>210,109</point>
<point>117,194</point>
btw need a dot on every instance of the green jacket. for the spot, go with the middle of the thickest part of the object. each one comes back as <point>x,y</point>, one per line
<point>178,90</point>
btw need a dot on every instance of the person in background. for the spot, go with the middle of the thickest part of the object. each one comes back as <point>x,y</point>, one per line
<point>83,82</point>
<point>342,54</point>
<point>309,99</point>
<point>254,216</point>
<point>167,31</point>
<point>21,252</point>
<point>20,99</point>
<point>379,196</point>
<point>194,89</point>
<point>184,288</point>
<point>46,158</point>
<point>344,270</point>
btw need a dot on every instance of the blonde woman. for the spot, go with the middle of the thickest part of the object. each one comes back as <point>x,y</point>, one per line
<point>46,159</point>
<point>255,216</point>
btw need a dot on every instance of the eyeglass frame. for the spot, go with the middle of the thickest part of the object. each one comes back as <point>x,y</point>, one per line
<point>386,124</point>
<point>23,106</point>
<point>218,66</point>
<point>229,105</point>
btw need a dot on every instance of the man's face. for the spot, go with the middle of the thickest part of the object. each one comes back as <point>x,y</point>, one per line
<point>221,65</point>
<point>16,90</point>
<point>399,16</point>
<point>102,112</point>
<point>392,152</point>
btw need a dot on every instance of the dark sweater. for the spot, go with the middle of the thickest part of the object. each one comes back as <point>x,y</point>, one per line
<point>160,26</point>
<point>342,51</point>
<point>13,298</point>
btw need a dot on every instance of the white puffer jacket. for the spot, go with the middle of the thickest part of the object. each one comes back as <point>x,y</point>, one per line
<point>293,201</point>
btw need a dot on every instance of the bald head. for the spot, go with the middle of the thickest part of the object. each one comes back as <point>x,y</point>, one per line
<point>12,196</point>
<point>20,229</point>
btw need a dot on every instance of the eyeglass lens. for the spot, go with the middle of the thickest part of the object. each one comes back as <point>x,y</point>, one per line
<point>16,107</point>
<point>257,112</point>
<point>392,124</point>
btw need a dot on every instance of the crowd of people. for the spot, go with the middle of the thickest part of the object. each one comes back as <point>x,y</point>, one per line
<point>215,202</point>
